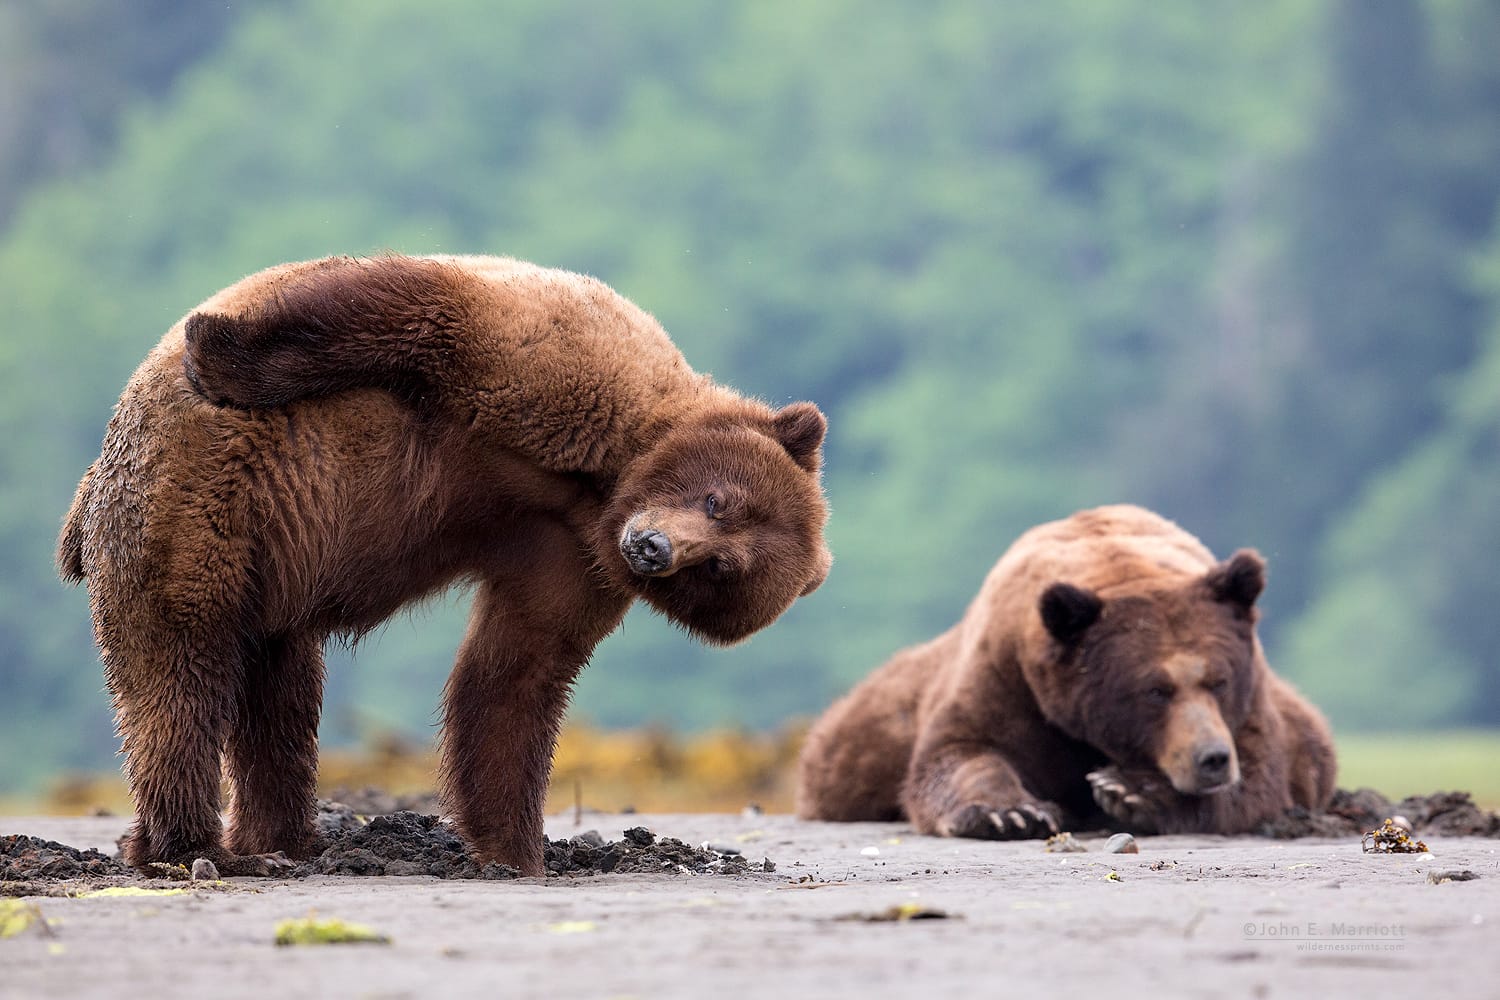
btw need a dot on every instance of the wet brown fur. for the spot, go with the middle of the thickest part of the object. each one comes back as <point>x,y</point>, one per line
<point>1109,644</point>
<point>397,425</point>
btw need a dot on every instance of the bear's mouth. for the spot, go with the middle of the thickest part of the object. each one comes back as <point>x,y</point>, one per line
<point>1218,789</point>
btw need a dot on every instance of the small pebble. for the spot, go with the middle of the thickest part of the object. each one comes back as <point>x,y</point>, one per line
<point>1437,876</point>
<point>589,838</point>
<point>1121,843</point>
<point>870,852</point>
<point>205,870</point>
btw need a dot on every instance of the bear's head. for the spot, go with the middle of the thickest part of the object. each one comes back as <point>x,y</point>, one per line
<point>1161,679</point>
<point>720,525</point>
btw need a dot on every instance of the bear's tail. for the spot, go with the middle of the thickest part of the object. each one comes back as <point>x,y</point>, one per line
<point>70,542</point>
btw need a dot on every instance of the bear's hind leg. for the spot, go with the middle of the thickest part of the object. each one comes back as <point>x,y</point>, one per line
<point>272,751</point>
<point>172,703</point>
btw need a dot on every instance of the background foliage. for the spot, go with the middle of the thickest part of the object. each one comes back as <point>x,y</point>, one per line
<point>1238,262</point>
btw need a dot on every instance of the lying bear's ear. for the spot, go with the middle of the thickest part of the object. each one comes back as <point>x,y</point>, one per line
<point>800,428</point>
<point>1069,611</point>
<point>1239,579</point>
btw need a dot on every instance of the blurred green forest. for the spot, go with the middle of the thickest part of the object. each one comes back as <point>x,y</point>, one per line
<point>1236,261</point>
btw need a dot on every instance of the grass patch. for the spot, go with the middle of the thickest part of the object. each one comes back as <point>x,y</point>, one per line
<point>1401,764</point>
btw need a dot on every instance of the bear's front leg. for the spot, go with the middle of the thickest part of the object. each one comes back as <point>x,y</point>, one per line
<point>504,704</point>
<point>971,790</point>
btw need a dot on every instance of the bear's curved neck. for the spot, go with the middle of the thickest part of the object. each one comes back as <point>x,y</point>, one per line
<point>701,403</point>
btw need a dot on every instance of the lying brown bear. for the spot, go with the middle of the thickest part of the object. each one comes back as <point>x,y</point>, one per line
<point>412,423</point>
<point>1107,674</point>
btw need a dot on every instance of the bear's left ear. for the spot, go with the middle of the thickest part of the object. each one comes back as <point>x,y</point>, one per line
<point>1069,611</point>
<point>800,428</point>
<point>1238,580</point>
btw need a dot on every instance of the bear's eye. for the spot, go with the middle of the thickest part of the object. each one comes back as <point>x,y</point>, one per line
<point>1160,694</point>
<point>1219,686</point>
<point>715,568</point>
<point>712,504</point>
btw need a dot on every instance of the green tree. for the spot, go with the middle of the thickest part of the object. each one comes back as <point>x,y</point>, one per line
<point>1407,603</point>
<point>71,68</point>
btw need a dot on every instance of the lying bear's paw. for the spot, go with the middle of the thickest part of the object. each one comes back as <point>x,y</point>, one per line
<point>1137,801</point>
<point>988,822</point>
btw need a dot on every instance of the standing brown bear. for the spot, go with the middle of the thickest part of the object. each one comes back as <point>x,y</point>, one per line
<point>399,424</point>
<point>1107,673</point>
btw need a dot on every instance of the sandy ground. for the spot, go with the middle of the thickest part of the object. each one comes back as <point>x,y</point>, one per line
<point>1187,916</point>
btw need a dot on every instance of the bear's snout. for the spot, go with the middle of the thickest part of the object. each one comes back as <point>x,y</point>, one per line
<point>1197,753</point>
<point>1212,765</point>
<point>648,552</point>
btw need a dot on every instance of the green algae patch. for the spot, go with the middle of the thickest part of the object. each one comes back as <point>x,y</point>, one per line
<point>311,930</point>
<point>129,890</point>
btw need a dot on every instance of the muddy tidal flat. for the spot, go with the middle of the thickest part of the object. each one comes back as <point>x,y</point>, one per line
<point>770,906</point>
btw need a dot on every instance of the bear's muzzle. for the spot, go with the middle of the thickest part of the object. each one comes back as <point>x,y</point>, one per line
<point>648,552</point>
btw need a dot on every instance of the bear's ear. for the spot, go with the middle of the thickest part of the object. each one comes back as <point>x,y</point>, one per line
<point>1069,611</point>
<point>800,428</point>
<point>1239,579</point>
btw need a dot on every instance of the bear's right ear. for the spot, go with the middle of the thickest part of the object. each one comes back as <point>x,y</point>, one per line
<point>1069,611</point>
<point>800,428</point>
<point>1238,580</point>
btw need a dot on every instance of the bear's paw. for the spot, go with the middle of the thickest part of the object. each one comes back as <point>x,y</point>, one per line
<point>984,821</point>
<point>1138,802</point>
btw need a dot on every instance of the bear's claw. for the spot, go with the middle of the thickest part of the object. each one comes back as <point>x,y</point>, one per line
<point>1027,821</point>
<point>982,822</point>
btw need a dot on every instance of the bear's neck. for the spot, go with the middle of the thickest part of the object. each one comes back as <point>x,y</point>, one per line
<point>700,404</point>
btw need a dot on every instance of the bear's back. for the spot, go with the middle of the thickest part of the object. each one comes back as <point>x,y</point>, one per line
<point>556,364</point>
<point>1114,551</point>
<point>1108,549</point>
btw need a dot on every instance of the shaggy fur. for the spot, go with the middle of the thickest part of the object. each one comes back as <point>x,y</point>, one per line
<point>389,427</point>
<point>1107,673</point>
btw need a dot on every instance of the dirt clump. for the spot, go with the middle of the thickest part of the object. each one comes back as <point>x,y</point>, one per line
<point>23,857</point>
<point>403,843</point>
<point>410,843</point>
<point>1352,814</point>
<point>642,851</point>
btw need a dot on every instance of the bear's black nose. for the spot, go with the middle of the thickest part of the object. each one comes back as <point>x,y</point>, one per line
<point>647,551</point>
<point>1212,763</point>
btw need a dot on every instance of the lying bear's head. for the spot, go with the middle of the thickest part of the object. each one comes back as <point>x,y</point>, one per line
<point>1163,679</point>
<point>720,526</point>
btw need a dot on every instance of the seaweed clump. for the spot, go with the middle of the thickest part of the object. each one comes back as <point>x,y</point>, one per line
<point>1390,838</point>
